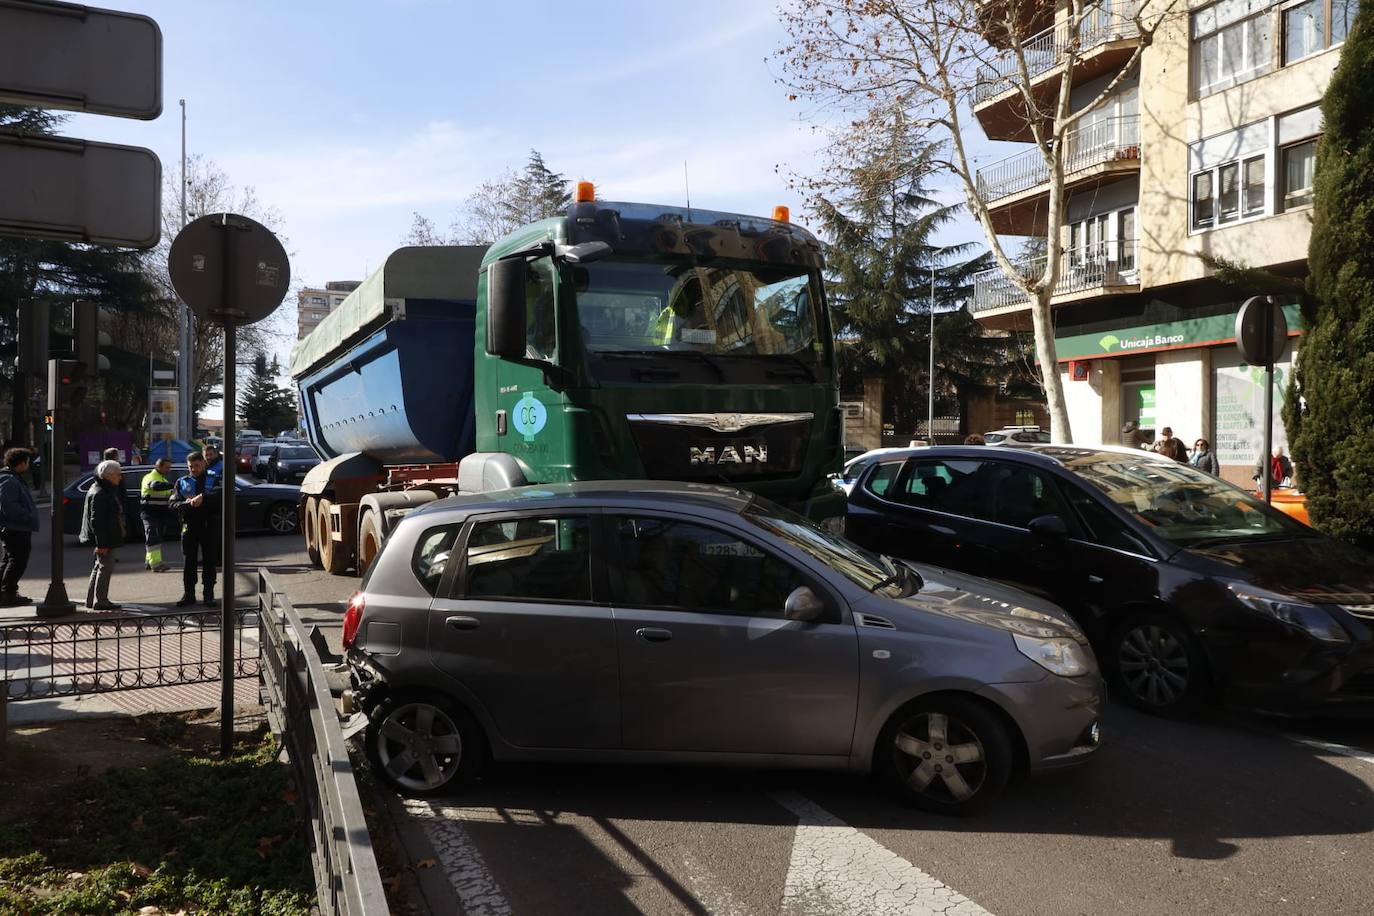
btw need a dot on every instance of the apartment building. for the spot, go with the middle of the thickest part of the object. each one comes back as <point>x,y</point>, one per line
<point>1206,148</point>
<point>313,304</point>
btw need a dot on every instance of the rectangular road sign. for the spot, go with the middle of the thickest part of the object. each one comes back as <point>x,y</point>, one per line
<point>64,55</point>
<point>75,190</point>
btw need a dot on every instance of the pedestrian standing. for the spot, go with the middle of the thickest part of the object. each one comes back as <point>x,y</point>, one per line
<point>214,462</point>
<point>18,522</point>
<point>198,498</point>
<point>102,528</point>
<point>1204,459</point>
<point>1170,447</point>
<point>1132,436</point>
<point>154,509</point>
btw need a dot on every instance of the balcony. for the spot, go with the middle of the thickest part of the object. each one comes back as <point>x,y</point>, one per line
<point>1105,40</point>
<point>1095,153</point>
<point>1103,270</point>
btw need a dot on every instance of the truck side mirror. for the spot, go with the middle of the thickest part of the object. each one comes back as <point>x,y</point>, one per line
<point>506,308</point>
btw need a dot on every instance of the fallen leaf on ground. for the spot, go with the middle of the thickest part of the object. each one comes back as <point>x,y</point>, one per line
<point>142,871</point>
<point>75,875</point>
<point>426,863</point>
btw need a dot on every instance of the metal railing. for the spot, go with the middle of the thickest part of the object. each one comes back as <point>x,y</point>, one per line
<point>1110,20</point>
<point>90,654</point>
<point>1081,271</point>
<point>304,718</point>
<point>1093,143</point>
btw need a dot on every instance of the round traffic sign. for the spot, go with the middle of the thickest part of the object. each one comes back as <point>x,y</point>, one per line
<point>1257,315</point>
<point>226,266</point>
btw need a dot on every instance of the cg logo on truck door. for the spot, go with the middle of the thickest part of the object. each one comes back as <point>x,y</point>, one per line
<point>530,415</point>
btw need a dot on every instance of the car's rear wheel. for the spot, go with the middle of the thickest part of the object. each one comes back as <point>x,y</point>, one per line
<point>282,518</point>
<point>947,754</point>
<point>423,745</point>
<point>1157,665</point>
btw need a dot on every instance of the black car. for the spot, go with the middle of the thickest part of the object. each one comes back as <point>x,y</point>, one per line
<point>1188,586</point>
<point>290,463</point>
<point>260,507</point>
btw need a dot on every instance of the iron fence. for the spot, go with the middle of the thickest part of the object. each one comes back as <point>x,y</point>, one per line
<point>304,718</point>
<point>1109,20</point>
<point>88,654</point>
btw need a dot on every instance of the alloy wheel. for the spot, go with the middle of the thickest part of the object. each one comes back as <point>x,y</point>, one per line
<point>1154,664</point>
<point>940,757</point>
<point>419,746</point>
<point>282,519</point>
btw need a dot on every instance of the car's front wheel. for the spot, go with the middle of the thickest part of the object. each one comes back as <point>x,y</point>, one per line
<point>1157,665</point>
<point>947,754</point>
<point>423,745</point>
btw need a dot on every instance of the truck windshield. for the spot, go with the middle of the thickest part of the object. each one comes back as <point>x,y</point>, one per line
<point>655,307</point>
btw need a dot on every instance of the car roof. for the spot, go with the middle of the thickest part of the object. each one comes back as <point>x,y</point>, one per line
<point>643,493</point>
<point>1070,457</point>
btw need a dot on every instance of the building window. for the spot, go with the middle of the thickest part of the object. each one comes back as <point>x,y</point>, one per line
<point>1228,196</point>
<point>1315,25</point>
<point>1228,49</point>
<point>1125,240</point>
<point>1254,187</point>
<point>1204,204</point>
<point>1299,168</point>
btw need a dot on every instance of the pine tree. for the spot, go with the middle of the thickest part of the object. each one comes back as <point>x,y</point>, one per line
<point>265,405</point>
<point>880,218</point>
<point>1335,366</point>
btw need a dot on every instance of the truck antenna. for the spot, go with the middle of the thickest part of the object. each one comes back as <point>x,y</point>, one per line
<point>688,188</point>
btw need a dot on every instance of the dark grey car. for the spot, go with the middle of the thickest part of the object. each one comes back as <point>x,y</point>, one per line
<point>639,621</point>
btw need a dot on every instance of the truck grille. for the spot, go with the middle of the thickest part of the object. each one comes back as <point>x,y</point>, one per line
<point>721,447</point>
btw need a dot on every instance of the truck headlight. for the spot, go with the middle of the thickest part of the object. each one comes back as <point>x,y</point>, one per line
<point>1058,655</point>
<point>1306,617</point>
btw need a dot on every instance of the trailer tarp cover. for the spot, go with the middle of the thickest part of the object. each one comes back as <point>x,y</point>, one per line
<point>416,272</point>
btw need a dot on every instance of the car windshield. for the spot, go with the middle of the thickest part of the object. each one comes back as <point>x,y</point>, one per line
<point>295,451</point>
<point>865,569</point>
<point>639,306</point>
<point>1184,505</point>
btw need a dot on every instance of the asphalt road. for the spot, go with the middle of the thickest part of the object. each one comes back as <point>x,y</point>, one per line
<point>1226,814</point>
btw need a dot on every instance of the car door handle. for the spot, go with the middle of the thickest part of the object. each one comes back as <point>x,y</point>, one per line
<point>654,634</point>
<point>462,623</point>
<point>1095,580</point>
<point>943,530</point>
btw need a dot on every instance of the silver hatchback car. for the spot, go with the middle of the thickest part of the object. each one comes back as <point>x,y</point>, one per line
<point>670,622</point>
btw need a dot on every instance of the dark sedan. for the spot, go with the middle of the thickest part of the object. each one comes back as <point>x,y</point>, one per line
<point>261,506</point>
<point>1187,585</point>
<point>290,463</point>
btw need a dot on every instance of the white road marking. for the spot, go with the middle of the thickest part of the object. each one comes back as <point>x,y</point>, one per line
<point>467,871</point>
<point>1333,748</point>
<point>838,871</point>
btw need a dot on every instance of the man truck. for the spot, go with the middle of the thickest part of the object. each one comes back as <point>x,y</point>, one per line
<point>618,341</point>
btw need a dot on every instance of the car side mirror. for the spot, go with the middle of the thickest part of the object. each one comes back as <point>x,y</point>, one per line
<point>506,308</point>
<point>1050,527</point>
<point>802,604</point>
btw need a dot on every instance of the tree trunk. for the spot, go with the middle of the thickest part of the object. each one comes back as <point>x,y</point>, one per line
<point>1045,355</point>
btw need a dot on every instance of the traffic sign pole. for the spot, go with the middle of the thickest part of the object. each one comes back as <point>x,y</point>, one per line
<point>56,603</point>
<point>228,316</point>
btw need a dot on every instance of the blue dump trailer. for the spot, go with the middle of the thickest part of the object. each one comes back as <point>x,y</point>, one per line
<point>386,385</point>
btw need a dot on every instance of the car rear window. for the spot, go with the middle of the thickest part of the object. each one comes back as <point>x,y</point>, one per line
<point>431,557</point>
<point>530,559</point>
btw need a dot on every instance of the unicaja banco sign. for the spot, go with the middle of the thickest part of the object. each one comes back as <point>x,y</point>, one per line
<point>1113,344</point>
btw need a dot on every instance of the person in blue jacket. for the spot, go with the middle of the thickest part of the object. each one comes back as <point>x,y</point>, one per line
<point>199,498</point>
<point>18,522</point>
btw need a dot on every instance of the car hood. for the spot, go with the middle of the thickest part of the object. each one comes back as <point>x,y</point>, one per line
<point>986,602</point>
<point>1314,568</point>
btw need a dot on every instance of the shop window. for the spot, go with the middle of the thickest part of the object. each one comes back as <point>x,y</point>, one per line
<point>1299,169</point>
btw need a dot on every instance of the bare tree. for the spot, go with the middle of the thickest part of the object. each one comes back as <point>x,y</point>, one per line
<point>422,231</point>
<point>924,63</point>
<point>499,206</point>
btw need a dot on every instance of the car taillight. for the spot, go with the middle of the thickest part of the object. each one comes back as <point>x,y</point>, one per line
<point>352,617</point>
<point>66,500</point>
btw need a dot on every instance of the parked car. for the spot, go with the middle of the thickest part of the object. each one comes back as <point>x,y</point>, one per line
<point>290,463</point>
<point>855,466</point>
<point>264,455</point>
<point>1189,587</point>
<point>243,462</point>
<point>741,633</point>
<point>260,506</point>
<point>1016,435</point>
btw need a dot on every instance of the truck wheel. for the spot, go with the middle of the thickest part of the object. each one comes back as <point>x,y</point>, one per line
<point>333,556</point>
<point>369,541</point>
<point>310,525</point>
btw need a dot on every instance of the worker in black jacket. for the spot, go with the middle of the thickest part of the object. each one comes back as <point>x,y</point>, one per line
<point>199,498</point>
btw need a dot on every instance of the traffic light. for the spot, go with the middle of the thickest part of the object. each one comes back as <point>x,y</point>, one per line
<point>47,422</point>
<point>66,384</point>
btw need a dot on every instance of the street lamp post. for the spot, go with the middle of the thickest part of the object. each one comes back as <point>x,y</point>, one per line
<point>930,378</point>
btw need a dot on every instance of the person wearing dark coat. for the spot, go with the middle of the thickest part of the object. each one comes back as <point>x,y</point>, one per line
<point>1204,459</point>
<point>102,529</point>
<point>199,497</point>
<point>18,522</point>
